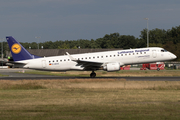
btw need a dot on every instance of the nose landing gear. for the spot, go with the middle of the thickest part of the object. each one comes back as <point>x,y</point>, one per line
<point>93,74</point>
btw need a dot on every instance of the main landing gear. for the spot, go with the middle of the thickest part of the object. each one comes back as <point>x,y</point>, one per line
<point>158,69</point>
<point>93,74</point>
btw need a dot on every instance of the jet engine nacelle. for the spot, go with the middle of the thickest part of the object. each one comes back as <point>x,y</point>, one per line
<point>112,67</point>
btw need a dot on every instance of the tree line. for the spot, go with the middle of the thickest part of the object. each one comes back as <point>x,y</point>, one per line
<point>168,39</point>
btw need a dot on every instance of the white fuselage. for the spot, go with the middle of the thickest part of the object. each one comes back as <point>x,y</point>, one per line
<point>123,57</point>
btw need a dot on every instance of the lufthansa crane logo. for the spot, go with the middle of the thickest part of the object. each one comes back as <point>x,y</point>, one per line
<point>16,48</point>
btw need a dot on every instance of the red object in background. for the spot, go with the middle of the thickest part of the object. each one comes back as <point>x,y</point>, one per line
<point>153,66</point>
<point>126,67</point>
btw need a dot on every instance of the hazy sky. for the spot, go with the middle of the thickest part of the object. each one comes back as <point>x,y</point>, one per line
<point>84,19</point>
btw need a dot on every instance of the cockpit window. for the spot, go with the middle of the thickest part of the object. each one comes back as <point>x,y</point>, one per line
<point>163,50</point>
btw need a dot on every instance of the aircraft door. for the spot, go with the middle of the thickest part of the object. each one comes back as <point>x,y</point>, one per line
<point>154,53</point>
<point>44,63</point>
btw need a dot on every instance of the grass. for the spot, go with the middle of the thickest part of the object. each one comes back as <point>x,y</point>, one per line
<point>21,86</point>
<point>89,99</point>
<point>1,75</point>
<point>80,74</point>
<point>125,73</point>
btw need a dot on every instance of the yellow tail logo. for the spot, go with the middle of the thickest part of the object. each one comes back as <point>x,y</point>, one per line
<point>16,48</point>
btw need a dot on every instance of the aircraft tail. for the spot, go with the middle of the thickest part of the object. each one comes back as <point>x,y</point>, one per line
<point>18,51</point>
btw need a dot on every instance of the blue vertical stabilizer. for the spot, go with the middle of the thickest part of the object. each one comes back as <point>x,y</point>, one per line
<point>18,51</point>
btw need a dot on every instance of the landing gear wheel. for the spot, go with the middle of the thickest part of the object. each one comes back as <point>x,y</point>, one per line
<point>93,75</point>
<point>158,69</point>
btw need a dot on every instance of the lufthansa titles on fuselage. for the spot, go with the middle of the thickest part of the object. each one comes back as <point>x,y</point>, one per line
<point>131,51</point>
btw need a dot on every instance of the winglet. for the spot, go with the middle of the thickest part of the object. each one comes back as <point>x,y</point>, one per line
<point>73,59</point>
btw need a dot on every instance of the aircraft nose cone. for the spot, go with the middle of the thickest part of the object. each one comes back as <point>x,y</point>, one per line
<point>173,56</point>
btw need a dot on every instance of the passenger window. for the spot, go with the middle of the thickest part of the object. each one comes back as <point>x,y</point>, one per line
<point>64,60</point>
<point>114,55</point>
<point>121,54</point>
<point>94,57</point>
<point>49,61</point>
<point>101,56</point>
<point>56,60</point>
<point>144,52</point>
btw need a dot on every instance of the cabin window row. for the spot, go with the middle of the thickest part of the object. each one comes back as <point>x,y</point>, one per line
<point>99,57</point>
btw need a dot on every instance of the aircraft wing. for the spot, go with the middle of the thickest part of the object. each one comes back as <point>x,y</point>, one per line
<point>86,64</point>
<point>89,65</point>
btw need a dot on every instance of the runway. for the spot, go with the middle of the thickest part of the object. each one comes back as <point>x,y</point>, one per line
<point>12,74</point>
<point>117,78</point>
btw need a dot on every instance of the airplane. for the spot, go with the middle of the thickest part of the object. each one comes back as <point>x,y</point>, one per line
<point>108,61</point>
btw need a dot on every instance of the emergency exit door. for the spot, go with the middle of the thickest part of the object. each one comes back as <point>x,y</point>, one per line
<point>44,63</point>
<point>154,53</point>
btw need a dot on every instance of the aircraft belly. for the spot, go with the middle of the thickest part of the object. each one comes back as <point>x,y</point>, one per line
<point>34,65</point>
